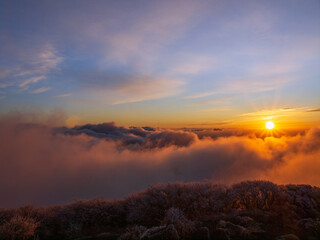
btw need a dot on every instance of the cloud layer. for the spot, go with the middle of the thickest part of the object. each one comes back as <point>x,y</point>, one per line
<point>45,165</point>
<point>135,138</point>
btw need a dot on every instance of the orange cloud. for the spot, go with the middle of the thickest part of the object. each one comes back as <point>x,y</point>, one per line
<point>44,166</point>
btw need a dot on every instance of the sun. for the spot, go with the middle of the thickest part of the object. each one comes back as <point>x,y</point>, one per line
<point>270,130</point>
<point>270,125</point>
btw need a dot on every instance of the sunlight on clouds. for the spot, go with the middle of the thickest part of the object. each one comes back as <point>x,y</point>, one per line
<point>286,117</point>
<point>102,153</point>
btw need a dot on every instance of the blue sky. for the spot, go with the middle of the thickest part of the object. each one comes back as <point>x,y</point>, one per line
<point>163,63</point>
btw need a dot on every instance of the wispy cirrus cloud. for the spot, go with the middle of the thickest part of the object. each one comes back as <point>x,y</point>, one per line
<point>216,109</point>
<point>140,88</point>
<point>211,101</point>
<point>274,113</point>
<point>41,90</point>
<point>187,49</point>
<point>201,95</point>
<point>32,80</point>
<point>136,43</point>
<point>219,123</point>
<point>313,110</point>
<point>64,95</point>
<point>142,39</point>
<point>5,84</point>
<point>4,73</point>
<point>147,90</point>
<point>30,65</point>
<point>272,69</point>
<point>192,64</point>
<point>246,85</point>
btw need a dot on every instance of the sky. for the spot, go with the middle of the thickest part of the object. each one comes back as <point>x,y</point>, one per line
<point>163,63</point>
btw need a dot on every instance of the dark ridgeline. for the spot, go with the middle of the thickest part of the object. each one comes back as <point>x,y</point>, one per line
<point>247,210</point>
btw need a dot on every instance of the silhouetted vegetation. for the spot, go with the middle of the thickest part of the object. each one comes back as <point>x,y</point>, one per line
<point>247,210</point>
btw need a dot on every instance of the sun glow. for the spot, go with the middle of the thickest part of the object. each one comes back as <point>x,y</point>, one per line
<point>271,130</point>
<point>270,125</point>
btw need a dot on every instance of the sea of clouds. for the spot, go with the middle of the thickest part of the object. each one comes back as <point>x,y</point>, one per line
<point>41,164</point>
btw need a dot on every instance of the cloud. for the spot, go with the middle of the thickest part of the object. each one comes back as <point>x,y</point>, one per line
<point>44,166</point>
<point>246,85</point>
<point>273,113</point>
<point>144,88</point>
<point>211,101</point>
<point>5,84</point>
<point>256,83</point>
<point>216,109</point>
<point>271,70</point>
<point>200,95</point>
<point>211,123</point>
<point>30,64</point>
<point>64,95</point>
<point>41,90</point>
<point>4,73</point>
<point>187,64</point>
<point>313,110</point>
<point>32,80</point>
<point>121,88</point>
<point>136,138</point>
<point>143,37</point>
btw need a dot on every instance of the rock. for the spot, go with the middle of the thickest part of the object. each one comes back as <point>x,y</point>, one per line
<point>161,233</point>
<point>288,237</point>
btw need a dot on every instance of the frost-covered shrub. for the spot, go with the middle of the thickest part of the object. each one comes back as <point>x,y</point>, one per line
<point>89,217</point>
<point>162,232</point>
<point>18,228</point>
<point>148,207</point>
<point>176,217</point>
<point>133,233</point>
<point>255,194</point>
<point>253,209</point>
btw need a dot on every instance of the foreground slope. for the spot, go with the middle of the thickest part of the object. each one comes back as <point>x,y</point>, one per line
<point>247,210</point>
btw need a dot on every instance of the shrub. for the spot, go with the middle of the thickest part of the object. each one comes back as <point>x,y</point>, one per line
<point>255,208</point>
<point>176,217</point>
<point>19,228</point>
